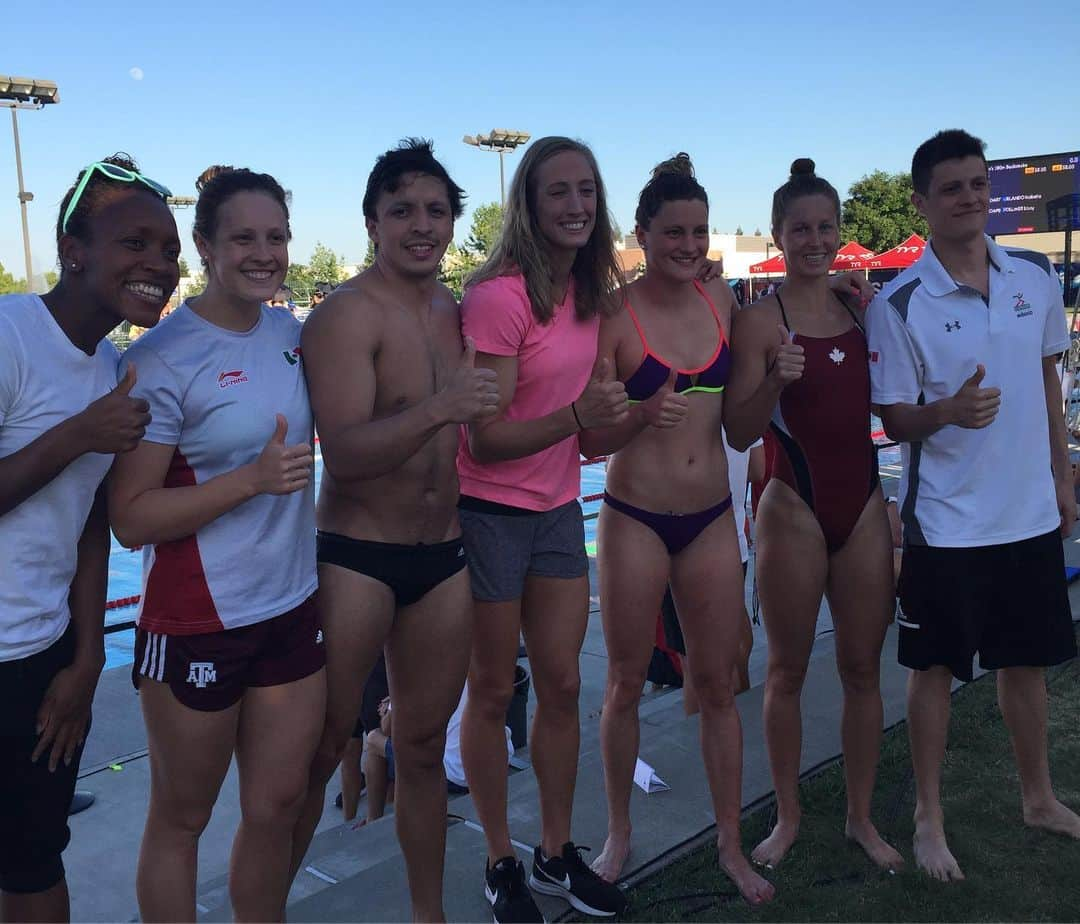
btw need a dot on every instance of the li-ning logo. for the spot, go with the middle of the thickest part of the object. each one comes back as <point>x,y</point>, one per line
<point>1023,309</point>
<point>292,357</point>
<point>951,326</point>
<point>236,377</point>
<point>201,673</point>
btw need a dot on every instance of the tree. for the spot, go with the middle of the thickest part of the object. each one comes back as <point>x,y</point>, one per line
<point>184,269</point>
<point>485,229</point>
<point>196,283</point>
<point>878,212</point>
<point>739,230</point>
<point>369,254</point>
<point>459,262</point>
<point>52,277</point>
<point>298,278</point>
<point>325,265</point>
<point>9,284</point>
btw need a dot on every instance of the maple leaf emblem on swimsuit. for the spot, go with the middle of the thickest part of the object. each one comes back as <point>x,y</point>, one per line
<point>837,355</point>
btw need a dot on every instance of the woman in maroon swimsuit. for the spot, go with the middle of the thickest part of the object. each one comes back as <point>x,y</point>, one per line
<point>800,376</point>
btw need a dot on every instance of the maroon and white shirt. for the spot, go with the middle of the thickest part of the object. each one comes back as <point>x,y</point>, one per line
<point>213,395</point>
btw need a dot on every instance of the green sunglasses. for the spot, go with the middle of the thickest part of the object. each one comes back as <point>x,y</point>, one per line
<point>113,172</point>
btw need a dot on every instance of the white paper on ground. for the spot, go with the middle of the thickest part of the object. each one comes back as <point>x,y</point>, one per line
<point>645,776</point>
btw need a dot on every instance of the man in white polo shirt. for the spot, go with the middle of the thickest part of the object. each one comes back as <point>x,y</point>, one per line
<point>962,350</point>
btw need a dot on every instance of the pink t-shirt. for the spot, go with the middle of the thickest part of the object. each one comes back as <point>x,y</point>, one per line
<point>555,361</point>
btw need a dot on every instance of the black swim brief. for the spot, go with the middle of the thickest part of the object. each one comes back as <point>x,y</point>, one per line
<point>410,571</point>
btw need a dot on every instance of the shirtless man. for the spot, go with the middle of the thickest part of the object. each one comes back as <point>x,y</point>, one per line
<point>390,383</point>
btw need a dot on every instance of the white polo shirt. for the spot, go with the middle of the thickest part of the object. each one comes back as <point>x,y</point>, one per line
<point>926,335</point>
<point>44,380</point>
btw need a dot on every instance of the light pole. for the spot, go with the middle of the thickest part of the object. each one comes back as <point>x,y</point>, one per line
<point>501,141</point>
<point>25,93</point>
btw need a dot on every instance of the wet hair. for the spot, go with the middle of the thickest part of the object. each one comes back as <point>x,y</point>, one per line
<point>951,144</point>
<point>412,155</point>
<point>802,182</point>
<point>216,185</point>
<point>521,247</point>
<point>672,181</point>
<point>97,189</point>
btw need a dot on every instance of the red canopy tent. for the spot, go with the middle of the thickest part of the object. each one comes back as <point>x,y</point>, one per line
<point>774,266</point>
<point>900,257</point>
<point>850,254</point>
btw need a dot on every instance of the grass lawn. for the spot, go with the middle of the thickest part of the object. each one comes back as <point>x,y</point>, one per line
<point>1013,873</point>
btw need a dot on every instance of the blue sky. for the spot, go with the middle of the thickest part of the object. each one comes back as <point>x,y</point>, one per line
<point>313,92</point>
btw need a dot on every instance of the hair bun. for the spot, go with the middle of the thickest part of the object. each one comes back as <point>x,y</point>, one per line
<point>211,173</point>
<point>802,166</point>
<point>679,165</point>
<point>121,159</point>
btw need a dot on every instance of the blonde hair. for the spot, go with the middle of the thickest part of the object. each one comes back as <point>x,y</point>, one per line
<point>521,247</point>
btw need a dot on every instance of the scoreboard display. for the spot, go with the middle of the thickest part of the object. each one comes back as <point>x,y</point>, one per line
<point>1040,193</point>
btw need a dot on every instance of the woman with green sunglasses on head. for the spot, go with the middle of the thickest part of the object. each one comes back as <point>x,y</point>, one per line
<point>62,419</point>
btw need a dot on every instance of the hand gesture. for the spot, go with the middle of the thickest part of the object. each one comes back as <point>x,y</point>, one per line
<point>64,714</point>
<point>603,403</point>
<point>471,393</point>
<point>666,409</point>
<point>974,407</point>
<point>855,286</point>
<point>282,469</point>
<point>786,361</point>
<point>116,421</point>
<point>710,270</point>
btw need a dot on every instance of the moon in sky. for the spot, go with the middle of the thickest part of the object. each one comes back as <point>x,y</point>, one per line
<point>136,73</point>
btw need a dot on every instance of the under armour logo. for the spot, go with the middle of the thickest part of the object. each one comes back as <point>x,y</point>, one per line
<point>201,673</point>
<point>950,327</point>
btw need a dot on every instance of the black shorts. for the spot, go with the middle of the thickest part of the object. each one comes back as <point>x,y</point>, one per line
<point>34,830</point>
<point>210,671</point>
<point>376,690</point>
<point>410,571</point>
<point>1009,603</point>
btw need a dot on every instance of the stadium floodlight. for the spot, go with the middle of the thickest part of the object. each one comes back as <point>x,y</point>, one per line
<point>502,141</point>
<point>25,93</point>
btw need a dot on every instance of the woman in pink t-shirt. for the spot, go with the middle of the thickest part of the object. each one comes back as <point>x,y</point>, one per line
<point>533,312</point>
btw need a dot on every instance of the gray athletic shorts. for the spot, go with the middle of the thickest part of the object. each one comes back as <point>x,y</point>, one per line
<point>504,544</point>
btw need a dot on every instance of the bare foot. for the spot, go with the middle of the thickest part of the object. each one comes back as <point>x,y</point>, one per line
<point>755,889</point>
<point>932,853</point>
<point>1056,817</point>
<point>608,865</point>
<point>877,849</point>
<point>775,847</point>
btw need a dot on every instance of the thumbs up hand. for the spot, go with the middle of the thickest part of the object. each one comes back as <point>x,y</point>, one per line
<point>603,403</point>
<point>116,421</point>
<point>666,409</point>
<point>470,393</point>
<point>786,360</point>
<point>282,469</point>
<point>974,407</point>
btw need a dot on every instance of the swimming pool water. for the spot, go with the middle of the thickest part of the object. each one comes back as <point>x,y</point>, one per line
<point>125,569</point>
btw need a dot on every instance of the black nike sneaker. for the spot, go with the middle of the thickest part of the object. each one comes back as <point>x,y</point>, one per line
<point>569,877</point>
<point>511,900</point>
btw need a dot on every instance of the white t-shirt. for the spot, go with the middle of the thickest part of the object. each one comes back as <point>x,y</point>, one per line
<point>44,380</point>
<point>214,394</point>
<point>452,764</point>
<point>738,466</point>
<point>926,335</point>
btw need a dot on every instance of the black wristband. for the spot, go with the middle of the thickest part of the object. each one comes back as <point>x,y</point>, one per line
<point>573,409</point>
